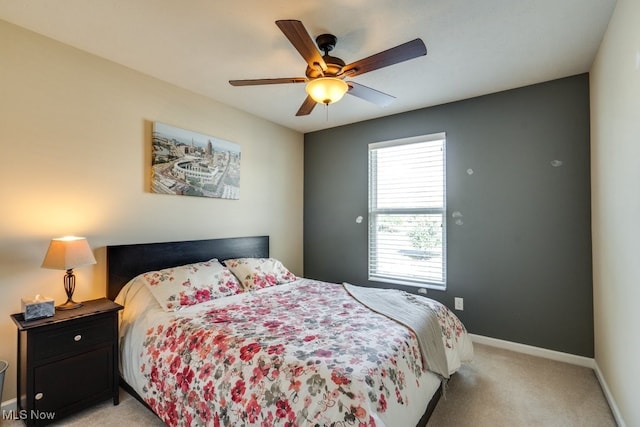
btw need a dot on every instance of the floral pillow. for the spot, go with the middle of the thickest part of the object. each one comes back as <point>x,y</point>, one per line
<point>190,284</point>
<point>258,273</point>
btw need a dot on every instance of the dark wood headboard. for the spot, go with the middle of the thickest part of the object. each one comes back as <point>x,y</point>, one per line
<point>124,262</point>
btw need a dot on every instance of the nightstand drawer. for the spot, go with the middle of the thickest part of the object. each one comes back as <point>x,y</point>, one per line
<point>74,338</point>
<point>60,385</point>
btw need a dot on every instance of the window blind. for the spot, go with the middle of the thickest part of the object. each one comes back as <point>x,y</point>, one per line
<point>407,211</point>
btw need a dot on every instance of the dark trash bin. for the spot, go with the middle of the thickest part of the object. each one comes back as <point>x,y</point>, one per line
<point>3,367</point>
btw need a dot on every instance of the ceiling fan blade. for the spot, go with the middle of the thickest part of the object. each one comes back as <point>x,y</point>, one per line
<point>301,40</point>
<point>369,94</point>
<point>395,55</point>
<point>307,107</point>
<point>254,82</point>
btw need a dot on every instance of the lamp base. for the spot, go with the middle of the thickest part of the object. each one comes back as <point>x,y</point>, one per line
<point>69,287</point>
<point>69,305</point>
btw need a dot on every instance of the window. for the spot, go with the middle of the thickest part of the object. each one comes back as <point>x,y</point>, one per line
<point>407,211</point>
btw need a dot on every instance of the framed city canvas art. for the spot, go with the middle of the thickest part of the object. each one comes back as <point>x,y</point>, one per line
<point>193,164</point>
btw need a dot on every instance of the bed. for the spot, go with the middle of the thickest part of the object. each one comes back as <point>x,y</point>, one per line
<point>277,351</point>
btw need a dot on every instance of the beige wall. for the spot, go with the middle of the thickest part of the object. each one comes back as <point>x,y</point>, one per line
<point>75,152</point>
<point>615,169</point>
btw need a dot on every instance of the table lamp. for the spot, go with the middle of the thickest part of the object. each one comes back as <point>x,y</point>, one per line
<point>67,253</point>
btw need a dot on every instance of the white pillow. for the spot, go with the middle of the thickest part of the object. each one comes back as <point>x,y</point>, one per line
<point>190,284</point>
<point>258,273</point>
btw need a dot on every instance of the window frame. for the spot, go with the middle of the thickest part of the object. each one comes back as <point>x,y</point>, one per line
<point>373,213</point>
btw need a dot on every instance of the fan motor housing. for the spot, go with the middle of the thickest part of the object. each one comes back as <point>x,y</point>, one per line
<point>326,43</point>
<point>334,66</point>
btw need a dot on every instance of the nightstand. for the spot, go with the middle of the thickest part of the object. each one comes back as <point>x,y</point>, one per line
<point>67,362</point>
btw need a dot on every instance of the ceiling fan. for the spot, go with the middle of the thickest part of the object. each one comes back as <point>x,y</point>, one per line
<point>325,74</point>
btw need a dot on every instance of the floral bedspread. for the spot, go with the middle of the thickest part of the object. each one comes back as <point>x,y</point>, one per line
<point>299,354</point>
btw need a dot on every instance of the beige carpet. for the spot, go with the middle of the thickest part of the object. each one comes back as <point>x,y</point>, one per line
<point>500,388</point>
<point>503,388</point>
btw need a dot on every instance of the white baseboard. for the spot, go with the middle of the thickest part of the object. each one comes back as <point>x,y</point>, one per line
<point>9,406</point>
<point>607,393</point>
<point>586,362</point>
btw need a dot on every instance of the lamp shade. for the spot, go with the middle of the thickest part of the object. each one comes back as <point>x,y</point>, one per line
<point>68,252</point>
<point>327,90</point>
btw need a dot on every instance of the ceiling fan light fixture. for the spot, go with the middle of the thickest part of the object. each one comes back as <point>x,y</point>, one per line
<point>327,90</point>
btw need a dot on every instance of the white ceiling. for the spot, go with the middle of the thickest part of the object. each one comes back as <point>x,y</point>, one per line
<point>474,47</point>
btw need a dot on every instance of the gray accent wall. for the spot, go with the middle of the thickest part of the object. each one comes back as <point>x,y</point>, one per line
<point>522,257</point>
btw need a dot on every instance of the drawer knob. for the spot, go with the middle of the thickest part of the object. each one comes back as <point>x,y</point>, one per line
<point>39,396</point>
<point>77,337</point>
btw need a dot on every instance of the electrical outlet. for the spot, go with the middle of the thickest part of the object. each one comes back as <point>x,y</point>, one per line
<point>459,303</point>
<point>422,291</point>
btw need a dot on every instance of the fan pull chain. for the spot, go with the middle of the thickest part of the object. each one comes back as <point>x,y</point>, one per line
<point>326,109</point>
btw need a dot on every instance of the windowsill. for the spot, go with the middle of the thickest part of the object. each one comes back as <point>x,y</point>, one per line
<point>415,284</point>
